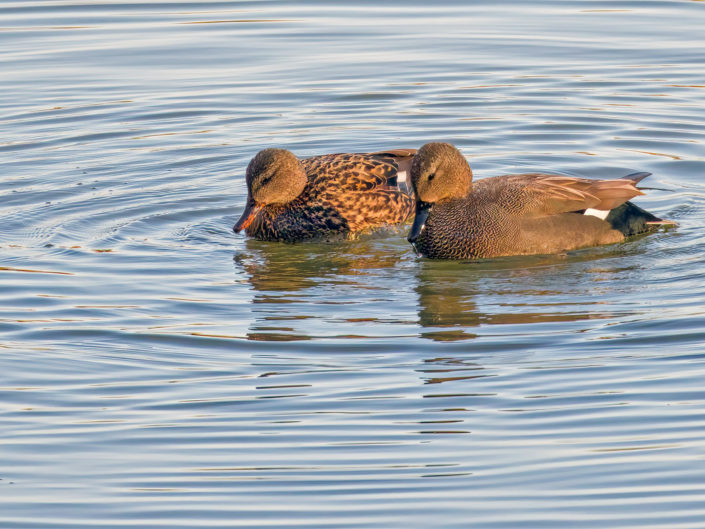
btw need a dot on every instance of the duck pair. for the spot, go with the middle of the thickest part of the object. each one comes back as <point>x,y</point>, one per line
<point>520,214</point>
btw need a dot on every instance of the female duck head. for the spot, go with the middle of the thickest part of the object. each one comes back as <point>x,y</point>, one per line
<point>438,172</point>
<point>274,176</point>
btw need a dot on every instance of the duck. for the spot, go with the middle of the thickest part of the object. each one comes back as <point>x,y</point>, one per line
<point>516,214</point>
<point>291,199</point>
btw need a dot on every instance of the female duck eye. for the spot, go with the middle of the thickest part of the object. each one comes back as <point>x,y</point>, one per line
<point>431,176</point>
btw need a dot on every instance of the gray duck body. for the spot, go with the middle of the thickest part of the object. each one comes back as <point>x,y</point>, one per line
<point>494,220</point>
<point>519,214</point>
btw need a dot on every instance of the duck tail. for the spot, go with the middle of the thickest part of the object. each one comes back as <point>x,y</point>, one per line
<point>630,219</point>
<point>636,177</point>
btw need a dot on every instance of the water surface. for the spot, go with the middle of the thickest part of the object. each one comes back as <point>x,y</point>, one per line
<point>158,370</point>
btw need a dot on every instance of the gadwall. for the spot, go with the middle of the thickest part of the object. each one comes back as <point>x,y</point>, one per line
<point>291,200</point>
<point>518,214</point>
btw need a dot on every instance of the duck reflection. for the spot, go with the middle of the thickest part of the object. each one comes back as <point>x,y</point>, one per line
<point>368,288</point>
<point>514,291</point>
<point>302,282</point>
<point>447,307</point>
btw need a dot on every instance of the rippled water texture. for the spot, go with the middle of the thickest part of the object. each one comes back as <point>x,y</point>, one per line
<point>157,370</point>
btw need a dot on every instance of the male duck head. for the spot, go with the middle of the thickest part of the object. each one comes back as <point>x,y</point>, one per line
<point>439,172</point>
<point>274,177</point>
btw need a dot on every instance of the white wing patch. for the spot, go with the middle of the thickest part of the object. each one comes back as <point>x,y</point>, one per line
<point>599,213</point>
<point>401,176</point>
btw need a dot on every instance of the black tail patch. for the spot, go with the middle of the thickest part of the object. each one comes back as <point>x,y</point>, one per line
<point>631,219</point>
<point>636,177</point>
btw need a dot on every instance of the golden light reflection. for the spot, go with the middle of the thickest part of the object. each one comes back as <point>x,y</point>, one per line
<point>33,271</point>
<point>240,21</point>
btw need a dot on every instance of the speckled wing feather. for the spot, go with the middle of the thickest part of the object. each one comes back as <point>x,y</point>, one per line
<point>544,194</point>
<point>340,173</point>
<point>360,187</point>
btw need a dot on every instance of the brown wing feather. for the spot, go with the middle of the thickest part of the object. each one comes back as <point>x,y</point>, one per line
<point>396,153</point>
<point>554,194</point>
<point>340,173</point>
<point>358,186</point>
<point>357,171</point>
<point>614,193</point>
<point>382,206</point>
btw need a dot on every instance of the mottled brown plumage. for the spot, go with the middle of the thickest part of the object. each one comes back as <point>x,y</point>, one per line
<point>515,214</point>
<point>292,200</point>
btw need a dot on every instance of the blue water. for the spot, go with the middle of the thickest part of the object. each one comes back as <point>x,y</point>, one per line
<point>156,370</point>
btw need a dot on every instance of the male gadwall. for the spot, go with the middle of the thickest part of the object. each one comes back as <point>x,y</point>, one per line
<point>292,200</point>
<point>517,214</point>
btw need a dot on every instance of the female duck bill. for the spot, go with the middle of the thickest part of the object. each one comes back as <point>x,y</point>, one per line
<point>251,210</point>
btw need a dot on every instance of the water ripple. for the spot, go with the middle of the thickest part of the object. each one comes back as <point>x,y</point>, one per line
<point>159,370</point>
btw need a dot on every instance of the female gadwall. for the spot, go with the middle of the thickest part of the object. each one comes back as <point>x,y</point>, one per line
<point>291,200</point>
<point>518,214</point>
